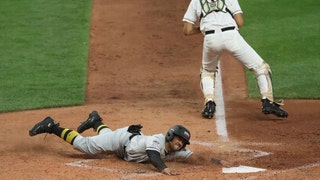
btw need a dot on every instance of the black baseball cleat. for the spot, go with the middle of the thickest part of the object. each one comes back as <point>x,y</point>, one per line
<point>269,107</point>
<point>44,126</point>
<point>209,110</point>
<point>89,123</point>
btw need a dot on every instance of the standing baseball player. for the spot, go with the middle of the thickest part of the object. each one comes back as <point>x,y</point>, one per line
<point>219,22</point>
<point>127,143</point>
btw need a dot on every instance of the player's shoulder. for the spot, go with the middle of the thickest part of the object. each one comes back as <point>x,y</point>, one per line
<point>156,137</point>
<point>160,136</point>
<point>155,140</point>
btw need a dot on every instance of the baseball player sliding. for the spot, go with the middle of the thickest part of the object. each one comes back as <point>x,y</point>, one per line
<point>220,21</point>
<point>128,143</point>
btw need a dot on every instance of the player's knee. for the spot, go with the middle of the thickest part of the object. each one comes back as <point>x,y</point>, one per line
<point>205,73</point>
<point>262,69</point>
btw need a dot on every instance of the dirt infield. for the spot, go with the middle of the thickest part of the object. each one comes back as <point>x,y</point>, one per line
<point>143,70</point>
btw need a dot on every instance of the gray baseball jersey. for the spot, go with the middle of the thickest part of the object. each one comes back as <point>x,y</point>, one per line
<point>117,141</point>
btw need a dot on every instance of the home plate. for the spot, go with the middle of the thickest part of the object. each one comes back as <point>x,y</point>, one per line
<point>242,169</point>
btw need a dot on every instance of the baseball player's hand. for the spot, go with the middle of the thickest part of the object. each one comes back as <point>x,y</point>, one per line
<point>169,172</point>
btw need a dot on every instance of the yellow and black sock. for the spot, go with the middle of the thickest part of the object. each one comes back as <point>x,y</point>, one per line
<point>65,133</point>
<point>69,135</point>
<point>101,126</point>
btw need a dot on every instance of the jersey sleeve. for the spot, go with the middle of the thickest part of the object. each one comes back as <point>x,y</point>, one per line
<point>156,160</point>
<point>192,14</point>
<point>233,6</point>
<point>183,154</point>
<point>154,143</point>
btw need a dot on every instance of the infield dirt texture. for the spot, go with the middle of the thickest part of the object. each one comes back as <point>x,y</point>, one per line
<point>143,70</point>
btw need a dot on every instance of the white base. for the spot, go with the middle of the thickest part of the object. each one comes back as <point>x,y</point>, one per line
<point>242,169</point>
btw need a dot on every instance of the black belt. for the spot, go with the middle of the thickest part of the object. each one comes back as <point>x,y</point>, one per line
<point>223,29</point>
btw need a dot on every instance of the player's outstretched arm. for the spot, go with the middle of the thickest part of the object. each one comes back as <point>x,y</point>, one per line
<point>156,161</point>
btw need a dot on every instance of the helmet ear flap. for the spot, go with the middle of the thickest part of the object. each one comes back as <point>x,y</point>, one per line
<point>169,136</point>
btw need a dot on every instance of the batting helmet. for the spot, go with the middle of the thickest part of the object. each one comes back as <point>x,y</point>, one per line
<point>180,131</point>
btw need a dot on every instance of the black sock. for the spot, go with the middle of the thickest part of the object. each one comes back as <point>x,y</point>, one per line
<point>96,125</point>
<point>57,130</point>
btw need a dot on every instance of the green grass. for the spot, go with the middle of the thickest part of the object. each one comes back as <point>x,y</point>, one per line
<point>44,49</point>
<point>286,34</point>
<point>44,53</point>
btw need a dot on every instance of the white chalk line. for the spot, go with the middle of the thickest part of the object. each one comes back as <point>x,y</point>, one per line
<point>220,117</point>
<point>281,171</point>
<point>237,143</point>
<point>223,133</point>
<point>258,143</point>
<point>83,163</point>
<point>220,110</point>
<point>257,153</point>
<point>220,126</point>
